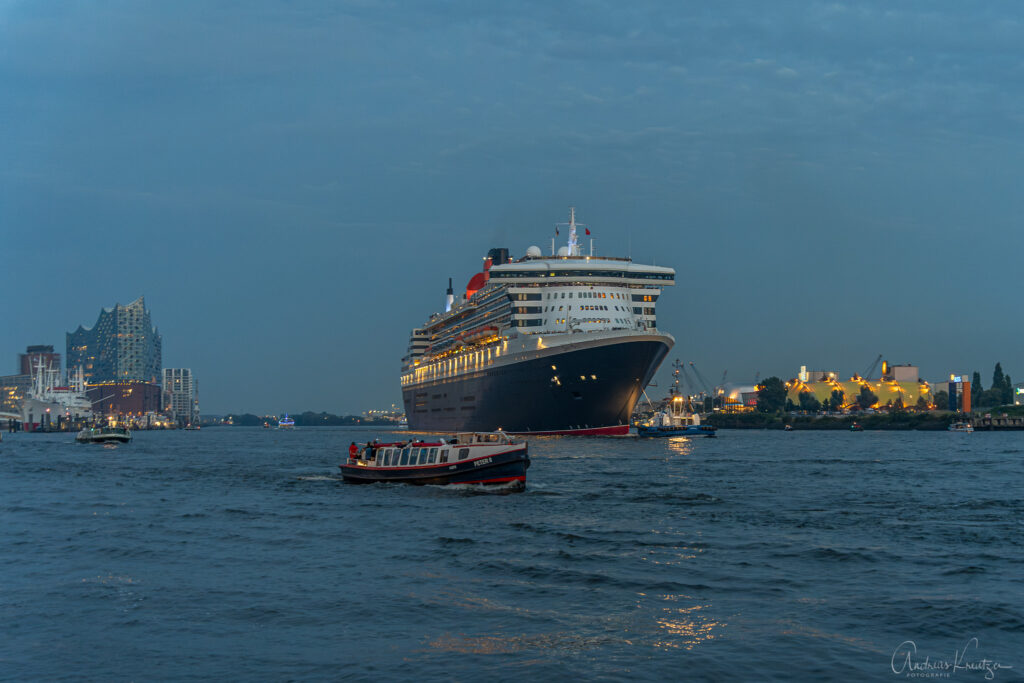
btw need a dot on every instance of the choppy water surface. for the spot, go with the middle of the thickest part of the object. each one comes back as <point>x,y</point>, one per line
<point>237,554</point>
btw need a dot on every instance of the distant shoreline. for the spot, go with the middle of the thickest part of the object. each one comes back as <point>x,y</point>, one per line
<point>899,421</point>
<point>879,421</point>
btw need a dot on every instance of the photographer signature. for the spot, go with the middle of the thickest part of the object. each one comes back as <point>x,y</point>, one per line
<point>904,661</point>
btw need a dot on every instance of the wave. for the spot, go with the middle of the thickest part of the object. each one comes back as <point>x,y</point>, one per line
<point>677,498</point>
<point>445,540</point>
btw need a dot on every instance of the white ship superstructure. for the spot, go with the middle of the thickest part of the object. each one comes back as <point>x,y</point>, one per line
<point>50,399</point>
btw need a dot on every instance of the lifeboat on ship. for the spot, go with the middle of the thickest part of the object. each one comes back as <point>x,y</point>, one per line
<point>479,334</point>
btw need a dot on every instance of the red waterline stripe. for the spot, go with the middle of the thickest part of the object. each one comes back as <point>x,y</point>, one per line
<point>617,430</point>
<point>492,481</point>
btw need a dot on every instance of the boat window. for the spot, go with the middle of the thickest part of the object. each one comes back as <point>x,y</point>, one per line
<point>433,455</point>
<point>416,458</point>
<point>444,455</point>
<point>463,453</point>
<point>405,457</point>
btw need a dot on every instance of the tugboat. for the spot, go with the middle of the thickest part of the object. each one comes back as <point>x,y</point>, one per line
<point>678,420</point>
<point>104,435</point>
<point>286,422</point>
<point>965,427</point>
<point>483,458</point>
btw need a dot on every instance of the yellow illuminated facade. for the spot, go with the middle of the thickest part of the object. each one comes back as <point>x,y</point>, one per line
<point>887,391</point>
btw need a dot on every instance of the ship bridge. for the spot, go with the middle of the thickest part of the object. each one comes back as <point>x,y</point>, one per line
<point>580,268</point>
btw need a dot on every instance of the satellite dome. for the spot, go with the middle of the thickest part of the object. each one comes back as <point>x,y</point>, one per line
<point>563,251</point>
<point>533,252</point>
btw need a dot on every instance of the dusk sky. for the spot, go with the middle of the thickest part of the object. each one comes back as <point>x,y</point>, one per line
<point>290,185</point>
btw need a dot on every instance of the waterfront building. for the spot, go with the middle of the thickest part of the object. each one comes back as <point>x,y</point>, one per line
<point>127,397</point>
<point>1018,394</point>
<point>806,375</point>
<point>13,389</point>
<point>899,384</point>
<point>123,346</point>
<point>738,397</point>
<point>900,373</point>
<point>29,360</point>
<point>181,399</point>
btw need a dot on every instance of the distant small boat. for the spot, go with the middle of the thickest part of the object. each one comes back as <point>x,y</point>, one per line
<point>787,428</point>
<point>961,427</point>
<point>286,423</point>
<point>856,427</point>
<point>104,435</point>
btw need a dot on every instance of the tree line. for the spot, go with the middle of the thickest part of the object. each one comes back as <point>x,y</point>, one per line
<point>999,394</point>
<point>306,419</point>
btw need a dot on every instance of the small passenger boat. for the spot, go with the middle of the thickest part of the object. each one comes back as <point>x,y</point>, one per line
<point>965,427</point>
<point>104,435</point>
<point>485,458</point>
<point>855,427</point>
<point>286,423</point>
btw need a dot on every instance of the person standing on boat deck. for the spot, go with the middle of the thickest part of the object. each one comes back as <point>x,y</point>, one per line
<point>353,451</point>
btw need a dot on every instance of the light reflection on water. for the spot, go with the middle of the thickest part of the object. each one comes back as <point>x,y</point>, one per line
<point>679,445</point>
<point>688,626</point>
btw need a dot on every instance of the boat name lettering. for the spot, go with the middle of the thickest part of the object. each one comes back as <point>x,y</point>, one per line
<point>481,461</point>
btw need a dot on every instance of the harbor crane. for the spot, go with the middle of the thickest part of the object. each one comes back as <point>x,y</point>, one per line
<point>711,394</point>
<point>703,382</point>
<point>871,368</point>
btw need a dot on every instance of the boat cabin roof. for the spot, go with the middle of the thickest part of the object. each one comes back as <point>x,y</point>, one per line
<point>460,438</point>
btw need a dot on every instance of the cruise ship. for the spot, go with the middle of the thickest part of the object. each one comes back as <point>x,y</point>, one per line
<point>556,344</point>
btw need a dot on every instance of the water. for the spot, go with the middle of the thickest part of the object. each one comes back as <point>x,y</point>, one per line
<point>237,554</point>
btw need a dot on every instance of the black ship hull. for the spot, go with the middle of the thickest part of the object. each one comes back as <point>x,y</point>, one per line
<point>590,390</point>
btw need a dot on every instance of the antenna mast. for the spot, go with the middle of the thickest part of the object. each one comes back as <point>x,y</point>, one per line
<point>574,247</point>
